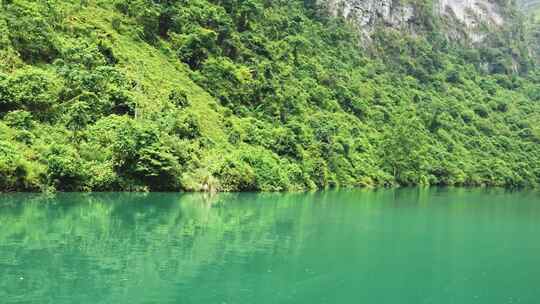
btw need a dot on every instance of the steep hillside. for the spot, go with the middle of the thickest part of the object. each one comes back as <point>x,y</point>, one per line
<point>244,95</point>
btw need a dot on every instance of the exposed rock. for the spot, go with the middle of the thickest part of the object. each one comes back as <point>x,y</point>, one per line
<point>528,5</point>
<point>468,18</point>
<point>472,12</point>
<point>369,13</point>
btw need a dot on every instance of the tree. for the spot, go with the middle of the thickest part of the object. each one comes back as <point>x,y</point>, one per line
<point>31,32</point>
<point>78,117</point>
<point>404,148</point>
<point>195,47</point>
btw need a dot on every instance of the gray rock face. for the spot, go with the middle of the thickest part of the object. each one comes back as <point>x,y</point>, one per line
<point>474,16</point>
<point>528,5</point>
<point>467,17</point>
<point>472,12</point>
<point>366,15</point>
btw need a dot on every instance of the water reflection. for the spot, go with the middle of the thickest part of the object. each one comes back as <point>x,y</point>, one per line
<point>270,248</point>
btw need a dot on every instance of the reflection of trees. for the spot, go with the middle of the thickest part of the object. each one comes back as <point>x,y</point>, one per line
<point>117,244</point>
<point>104,241</point>
<point>127,248</point>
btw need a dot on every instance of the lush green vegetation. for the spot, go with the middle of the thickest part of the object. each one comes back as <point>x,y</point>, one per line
<point>252,95</point>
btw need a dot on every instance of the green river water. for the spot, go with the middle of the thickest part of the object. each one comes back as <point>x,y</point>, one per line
<point>350,246</point>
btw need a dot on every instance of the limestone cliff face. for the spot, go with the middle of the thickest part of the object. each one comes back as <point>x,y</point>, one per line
<point>367,14</point>
<point>461,18</point>
<point>472,12</point>
<point>528,5</point>
<point>472,19</point>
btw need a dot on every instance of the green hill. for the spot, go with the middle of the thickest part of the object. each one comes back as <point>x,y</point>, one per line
<point>241,95</point>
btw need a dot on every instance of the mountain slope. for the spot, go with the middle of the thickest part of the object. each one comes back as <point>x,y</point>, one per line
<point>252,95</point>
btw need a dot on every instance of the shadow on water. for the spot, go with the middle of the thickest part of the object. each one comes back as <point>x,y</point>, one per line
<point>332,246</point>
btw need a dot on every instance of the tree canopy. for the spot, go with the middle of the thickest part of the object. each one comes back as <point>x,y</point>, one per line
<point>253,95</point>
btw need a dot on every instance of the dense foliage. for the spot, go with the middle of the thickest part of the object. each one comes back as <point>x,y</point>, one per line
<point>267,95</point>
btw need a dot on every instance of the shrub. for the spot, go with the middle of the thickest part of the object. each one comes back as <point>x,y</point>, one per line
<point>15,171</point>
<point>141,154</point>
<point>481,110</point>
<point>19,119</point>
<point>65,170</point>
<point>158,167</point>
<point>179,98</point>
<point>187,126</point>
<point>31,34</point>
<point>236,175</point>
<point>195,47</point>
<point>32,90</point>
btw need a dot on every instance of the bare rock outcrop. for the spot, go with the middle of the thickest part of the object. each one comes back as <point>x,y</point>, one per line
<point>463,18</point>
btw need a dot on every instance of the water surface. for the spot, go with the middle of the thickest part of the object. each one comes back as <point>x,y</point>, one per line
<point>390,246</point>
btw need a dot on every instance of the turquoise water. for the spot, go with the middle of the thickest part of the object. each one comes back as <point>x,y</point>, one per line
<point>389,246</point>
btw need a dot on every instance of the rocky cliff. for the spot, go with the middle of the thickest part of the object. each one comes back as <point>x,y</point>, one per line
<point>528,5</point>
<point>461,18</point>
